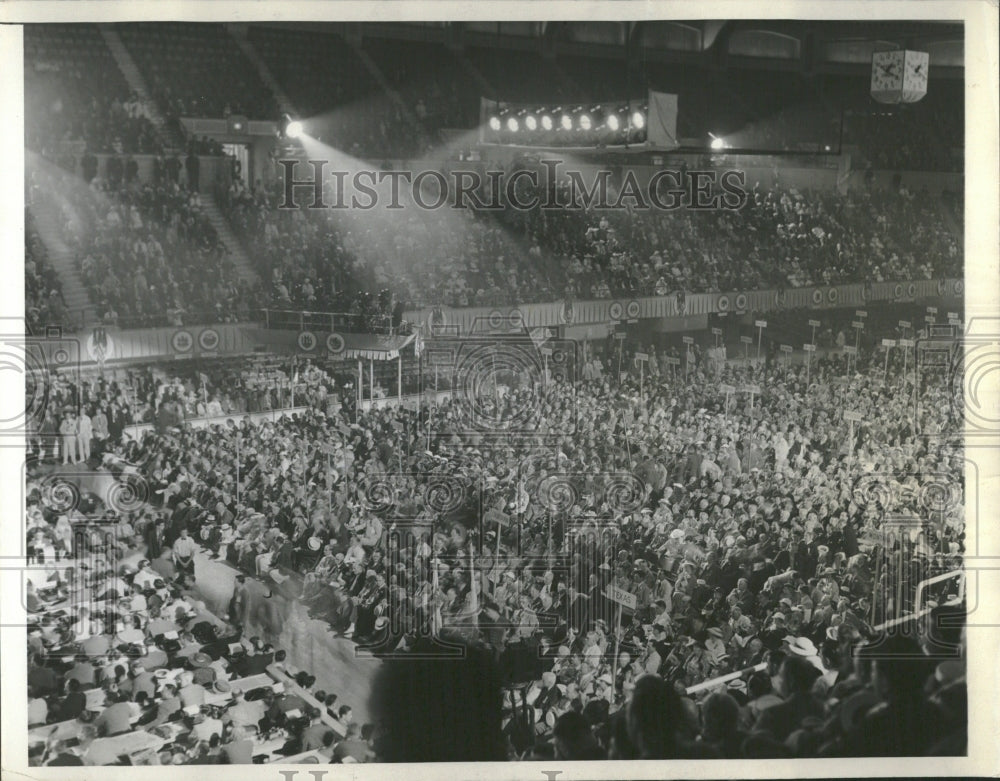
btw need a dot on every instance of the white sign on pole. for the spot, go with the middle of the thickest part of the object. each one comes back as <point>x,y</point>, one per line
<point>760,324</point>
<point>622,597</point>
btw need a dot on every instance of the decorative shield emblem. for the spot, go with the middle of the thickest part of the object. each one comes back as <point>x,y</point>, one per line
<point>307,341</point>
<point>741,302</point>
<point>723,304</point>
<point>959,287</point>
<point>911,290</point>
<point>615,311</point>
<point>632,310</point>
<point>680,302</point>
<point>833,295</point>
<point>866,291</point>
<point>182,341</point>
<point>100,345</point>
<point>567,315</point>
<point>780,296</point>
<point>817,297</point>
<point>897,291</point>
<point>335,343</point>
<point>438,319</point>
<point>208,340</point>
<point>942,286</point>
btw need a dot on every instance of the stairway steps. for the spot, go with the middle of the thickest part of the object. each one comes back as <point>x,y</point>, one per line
<point>238,32</point>
<point>63,261</point>
<point>130,70</point>
<point>237,253</point>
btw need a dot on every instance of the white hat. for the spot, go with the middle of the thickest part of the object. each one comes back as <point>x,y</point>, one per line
<point>802,646</point>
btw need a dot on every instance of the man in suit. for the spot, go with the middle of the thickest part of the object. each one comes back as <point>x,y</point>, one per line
<point>795,682</point>
<point>74,703</point>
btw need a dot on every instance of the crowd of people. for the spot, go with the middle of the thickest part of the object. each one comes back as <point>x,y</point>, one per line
<point>43,299</point>
<point>83,417</point>
<point>125,668</point>
<point>197,70</point>
<point>145,250</point>
<point>75,94</point>
<point>782,238</point>
<point>739,525</point>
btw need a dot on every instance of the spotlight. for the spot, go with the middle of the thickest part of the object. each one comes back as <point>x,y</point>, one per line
<point>567,122</point>
<point>530,122</point>
<point>288,127</point>
<point>717,143</point>
<point>512,124</point>
<point>546,122</point>
<point>638,120</point>
<point>585,122</point>
<point>613,122</point>
<point>494,123</point>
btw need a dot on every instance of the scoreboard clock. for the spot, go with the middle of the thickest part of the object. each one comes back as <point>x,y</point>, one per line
<point>899,76</point>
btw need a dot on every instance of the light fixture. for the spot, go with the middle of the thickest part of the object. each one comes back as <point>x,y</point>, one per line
<point>546,122</point>
<point>567,122</point>
<point>613,122</point>
<point>494,123</point>
<point>294,129</point>
<point>717,143</point>
<point>585,122</point>
<point>638,120</point>
<point>512,124</point>
<point>530,122</point>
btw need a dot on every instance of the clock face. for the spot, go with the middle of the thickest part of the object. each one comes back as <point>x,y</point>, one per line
<point>915,72</point>
<point>888,71</point>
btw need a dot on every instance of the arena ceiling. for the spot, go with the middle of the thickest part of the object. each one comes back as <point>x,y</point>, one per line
<point>808,45</point>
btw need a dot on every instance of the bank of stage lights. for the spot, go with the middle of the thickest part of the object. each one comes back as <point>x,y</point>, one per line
<point>578,126</point>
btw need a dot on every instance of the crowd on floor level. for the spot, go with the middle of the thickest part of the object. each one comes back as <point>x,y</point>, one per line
<point>126,668</point>
<point>745,528</point>
<point>85,417</point>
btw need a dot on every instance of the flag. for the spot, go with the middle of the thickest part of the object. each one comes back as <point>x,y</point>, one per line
<point>661,122</point>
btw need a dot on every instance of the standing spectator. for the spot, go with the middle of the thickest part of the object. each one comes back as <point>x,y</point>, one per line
<point>68,432</point>
<point>84,435</point>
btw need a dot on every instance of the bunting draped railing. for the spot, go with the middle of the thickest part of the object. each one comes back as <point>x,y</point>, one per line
<point>471,320</point>
<point>105,344</point>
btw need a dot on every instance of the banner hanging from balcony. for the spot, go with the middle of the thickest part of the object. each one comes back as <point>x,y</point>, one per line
<point>468,320</point>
